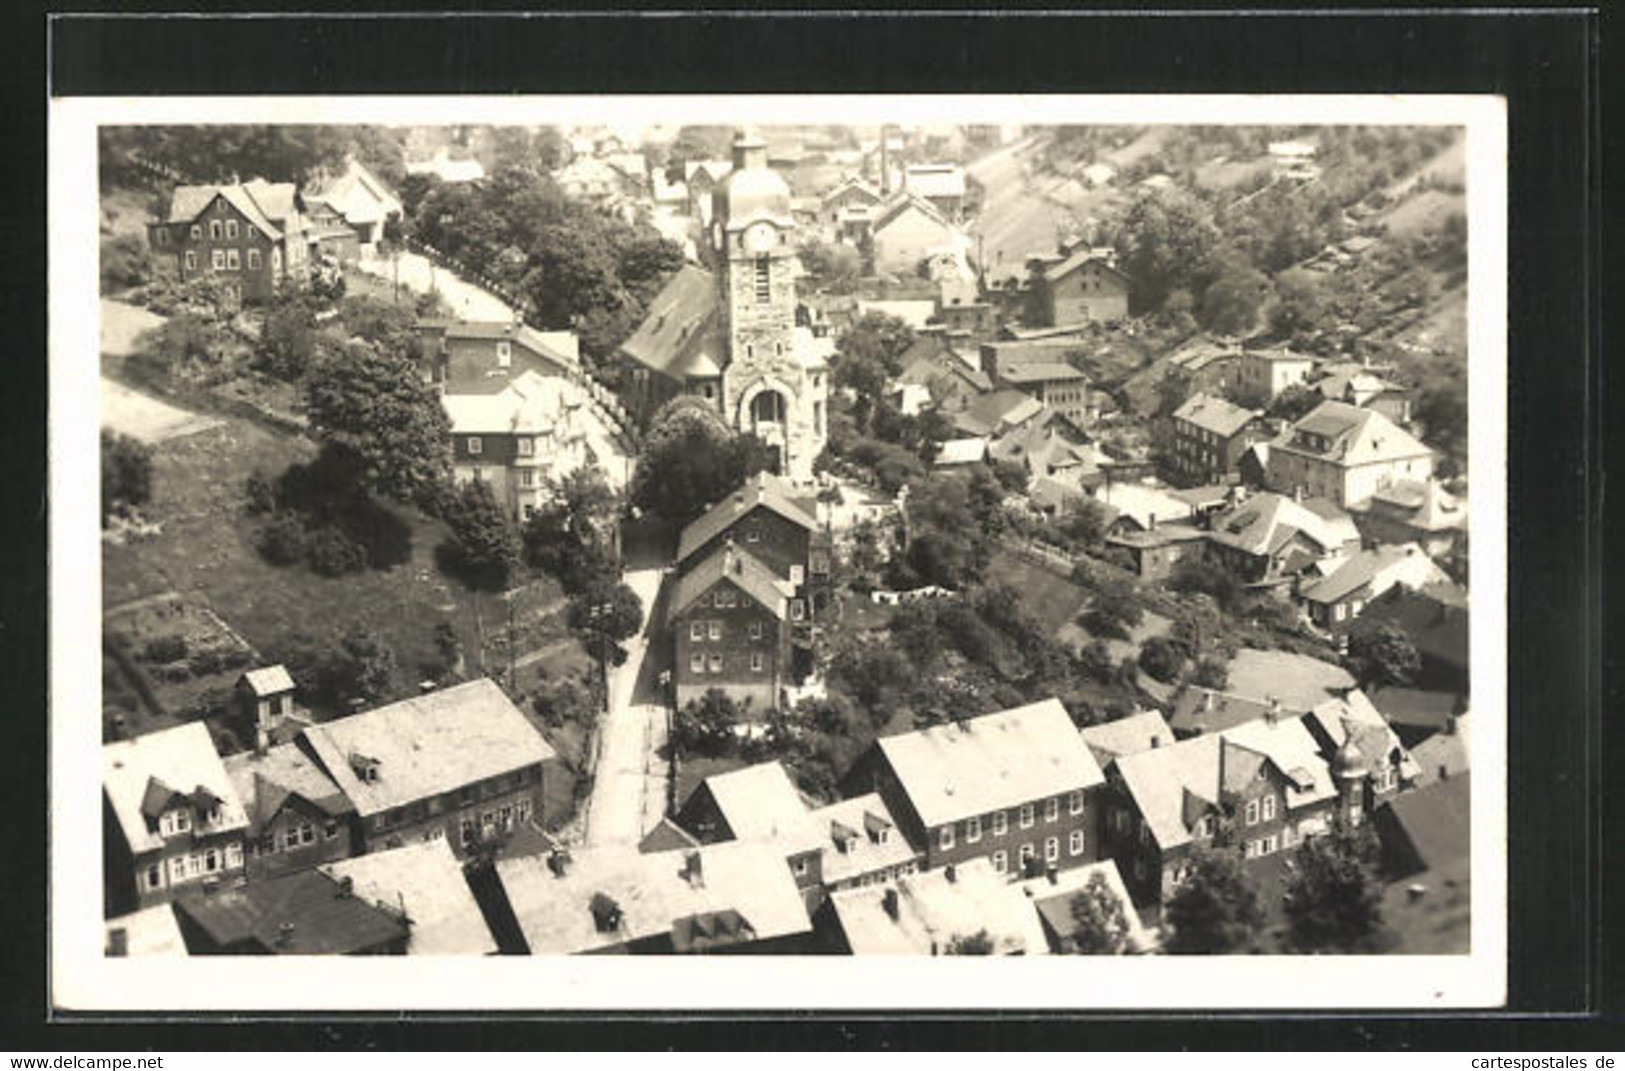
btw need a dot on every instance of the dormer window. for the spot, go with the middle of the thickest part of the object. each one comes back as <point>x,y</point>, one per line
<point>366,769</point>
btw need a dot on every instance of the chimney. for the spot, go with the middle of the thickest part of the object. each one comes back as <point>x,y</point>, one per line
<point>1297,492</point>
<point>1273,713</point>
<point>558,861</point>
<point>1152,518</point>
<point>346,887</point>
<point>888,900</point>
<point>1444,771</point>
<point>1052,871</point>
<point>284,935</point>
<point>949,873</point>
<point>694,870</point>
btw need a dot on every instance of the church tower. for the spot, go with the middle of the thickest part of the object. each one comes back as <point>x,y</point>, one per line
<point>774,384</point>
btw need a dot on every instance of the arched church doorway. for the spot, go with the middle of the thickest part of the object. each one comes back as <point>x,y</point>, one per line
<point>768,407</point>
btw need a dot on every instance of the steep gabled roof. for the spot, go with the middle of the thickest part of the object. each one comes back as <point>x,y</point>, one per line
<point>761,490</point>
<point>189,202</point>
<point>738,567</point>
<point>760,803</point>
<point>1127,736</point>
<point>1061,269</point>
<point>1217,415</point>
<point>1352,436</point>
<point>306,912</point>
<point>264,783</point>
<point>904,202</point>
<point>680,325</point>
<point>426,881</point>
<point>141,777</point>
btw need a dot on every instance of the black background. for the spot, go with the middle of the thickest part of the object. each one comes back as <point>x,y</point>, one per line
<point>1546,63</point>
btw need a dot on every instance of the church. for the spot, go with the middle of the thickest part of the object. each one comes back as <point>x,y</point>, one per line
<point>731,336</point>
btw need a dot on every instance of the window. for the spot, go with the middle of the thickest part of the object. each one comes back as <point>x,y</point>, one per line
<point>1267,812</point>
<point>214,229</point>
<point>234,261</point>
<point>253,260</point>
<point>798,610</point>
<point>1204,826</point>
<point>521,810</point>
<point>1052,809</point>
<point>716,663</point>
<point>307,834</point>
<point>1120,820</point>
<point>1026,854</point>
<point>504,353</point>
<point>469,831</point>
<point>1001,823</point>
<point>1026,816</point>
<point>1001,861</point>
<point>217,260</point>
<point>177,869</point>
<point>525,445</point>
<point>714,629</point>
<point>725,597</point>
<point>191,260</point>
<point>756,661</point>
<point>1252,812</point>
<point>1270,844</point>
<point>211,860</point>
<point>1250,850</point>
<point>155,876</point>
<point>474,444</point>
<point>197,232</point>
<point>276,260</point>
<point>231,228</point>
<point>527,478</point>
<point>331,830</point>
<point>755,630</point>
<point>1074,842</point>
<point>973,830</point>
<point>234,856</point>
<point>763,291</point>
<point>753,535</point>
<point>946,838</point>
<point>1052,849</point>
<point>696,663</point>
<point>696,630</point>
<point>797,575</point>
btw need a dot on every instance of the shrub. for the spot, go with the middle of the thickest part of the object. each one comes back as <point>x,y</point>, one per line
<point>236,658</point>
<point>164,649</point>
<point>205,662</point>
<point>124,263</point>
<point>126,468</point>
<point>260,493</point>
<point>331,552</point>
<point>177,673</point>
<point>282,540</point>
<point>1161,659</point>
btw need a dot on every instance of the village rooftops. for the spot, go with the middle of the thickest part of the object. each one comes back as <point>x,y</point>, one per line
<point>902,202</point>
<point>358,195</point>
<point>1266,522</point>
<point>916,314</point>
<point>530,404</point>
<point>990,763</point>
<point>1299,681</point>
<point>151,931</point>
<point>764,490</point>
<point>303,913</point>
<point>1146,505</point>
<point>1424,505</point>
<point>1444,755</point>
<point>561,347</point>
<point>1352,718</point>
<point>264,783</point>
<point>997,411</point>
<point>1350,436</point>
<point>1127,736</point>
<point>925,913</point>
<point>934,180</point>
<point>428,745</point>
<point>425,882</point>
<point>860,836</point>
<point>739,567</point>
<point>1078,259</point>
<point>147,776</point>
<point>1280,355</point>
<point>261,203</point>
<point>1052,896</point>
<point>1042,372</point>
<point>759,803</point>
<point>1213,414</point>
<point>1209,710</point>
<point>1433,824</point>
<point>598,898</point>
<point>1381,567</point>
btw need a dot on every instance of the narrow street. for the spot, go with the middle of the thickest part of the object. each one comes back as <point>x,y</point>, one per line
<point>418,274</point>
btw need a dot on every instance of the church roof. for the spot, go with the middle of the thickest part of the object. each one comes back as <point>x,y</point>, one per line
<point>677,338</point>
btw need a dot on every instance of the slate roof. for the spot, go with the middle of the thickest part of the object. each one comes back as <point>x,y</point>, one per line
<point>530,403</point>
<point>189,202</point>
<point>426,880</point>
<point>325,920</point>
<point>1127,736</point>
<point>1052,899</point>
<point>1143,503</point>
<point>985,764</point>
<point>1444,754</point>
<point>1375,571</point>
<point>1209,710</point>
<point>933,910</point>
<point>994,412</point>
<point>1436,625</point>
<point>264,783</point>
<point>1217,415</point>
<point>1354,436</point>
<point>764,490</point>
<point>428,745</point>
<point>679,329</point>
<point>554,912</point>
<point>1434,823</point>
<point>1266,522</point>
<point>141,777</point>
<point>1299,681</point>
<point>739,567</point>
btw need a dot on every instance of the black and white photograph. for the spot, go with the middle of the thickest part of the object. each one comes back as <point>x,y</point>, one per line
<point>724,530</point>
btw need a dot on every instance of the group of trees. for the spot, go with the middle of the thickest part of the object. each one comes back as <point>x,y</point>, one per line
<point>690,458</point>
<point>126,474</point>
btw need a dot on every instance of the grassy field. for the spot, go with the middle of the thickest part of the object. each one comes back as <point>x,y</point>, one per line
<point>1053,601</point>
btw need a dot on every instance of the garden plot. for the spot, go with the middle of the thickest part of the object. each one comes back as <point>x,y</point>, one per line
<point>185,655</point>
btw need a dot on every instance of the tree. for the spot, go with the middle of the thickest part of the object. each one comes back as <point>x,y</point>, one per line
<point>1215,909</point>
<point>1381,654</point>
<point>126,473</point>
<point>1115,609</point>
<point>705,726</point>
<point>608,612</point>
<point>1102,928</point>
<point>1441,407</point>
<point>374,407</point>
<point>1231,301</point>
<point>1298,303</point>
<point>1161,659</point>
<point>869,356</point>
<point>1167,241</point>
<point>1294,403</point>
<point>1212,673</point>
<point>362,667</point>
<point>970,944</point>
<point>1334,896</point>
<point>690,459</point>
<point>484,542</point>
<point>288,338</point>
<point>571,537</point>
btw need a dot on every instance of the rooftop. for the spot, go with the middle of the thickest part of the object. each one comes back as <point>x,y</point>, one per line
<point>764,490</point>
<point>760,803</point>
<point>1208,710</point>
<point>264,783</point>
<point>1127,736</point>
<point>428,745</point>
<point>302,913</point>
<point>1265,523</point>
<point>1052,896</point>
<point>985,764</point>
<point>530,404</point>
<point>1435,821</point>
<point>151,931</point>
<point>678,329</point>
<point>928,911</point>
<point>425,881</point>
<point>1217,415</point>
<point>1349,435</point>
<point>1375,571</point>
<point>1052,371</point>
<point>934,180</point>
<point>1298,681</point>
<point>269,680</point>
<point>740,568</point>
<point>172,767</point>
<point>869,841</point>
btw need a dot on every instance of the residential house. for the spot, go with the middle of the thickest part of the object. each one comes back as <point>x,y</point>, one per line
<point>1130,735</point>
<point>1053,895</point>
<point>931,913</point>
<point>1053,446</point>
<point>1262,786</point>
<point>1333,601</point>
<point>1415,511</point>
<point>960,455</point>
<point>997,413</point>
<point>775,524</point>
<point>730,897</point>
<point>1156,552</point>
<point>515,441</point>
<point>758,803</point>
<point>1347,454</point>
<point>148,932</point>
<point>942,186</point>
<point>864,845</point>
<point>264,699</point>
<point>1085,286</point>
<point>1015,788</point>
<point>962,315</point>
<point>1141,507</point>
<point>1436,619</point>
<point>905,231</point>
<point>302,913</point>
<point>1205,366</point>
<point>360,200</point>
<point>1356,386</point>
<point>731,624</point>
<point>425,883</point>
<point>953,383</point>
<point>1210,435</point>
<point>851,200</point>
<point>1060,386</point>
<point>1200,710</point>
<point>462,763</point>
<point>1264,374</point>
<point>1268,538</point>
<point>589,178</point>
<point>482,357</point>
<point>251,234</point>
<point>1446,754</point>
<point>1428,831</point>
<point>173,820</point>
<point>297,814</point>
<point>1354,736</point>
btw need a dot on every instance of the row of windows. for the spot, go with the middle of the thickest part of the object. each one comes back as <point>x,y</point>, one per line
<point>879,877</point>
<point>1052,851</point>
<point>499,820</point>
<point>434,805</point>
<point>231,260</point>
<point>1260,810</point>
<point>524,445</point>
<point>699,631</point>
<point>293,837</point>
<point>1025,816</point>
<point>179,820</point>
<point>196,865</point>
<point>699,662</point>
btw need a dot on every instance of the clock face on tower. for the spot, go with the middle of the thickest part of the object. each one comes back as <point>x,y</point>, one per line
<point>759,238</point>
